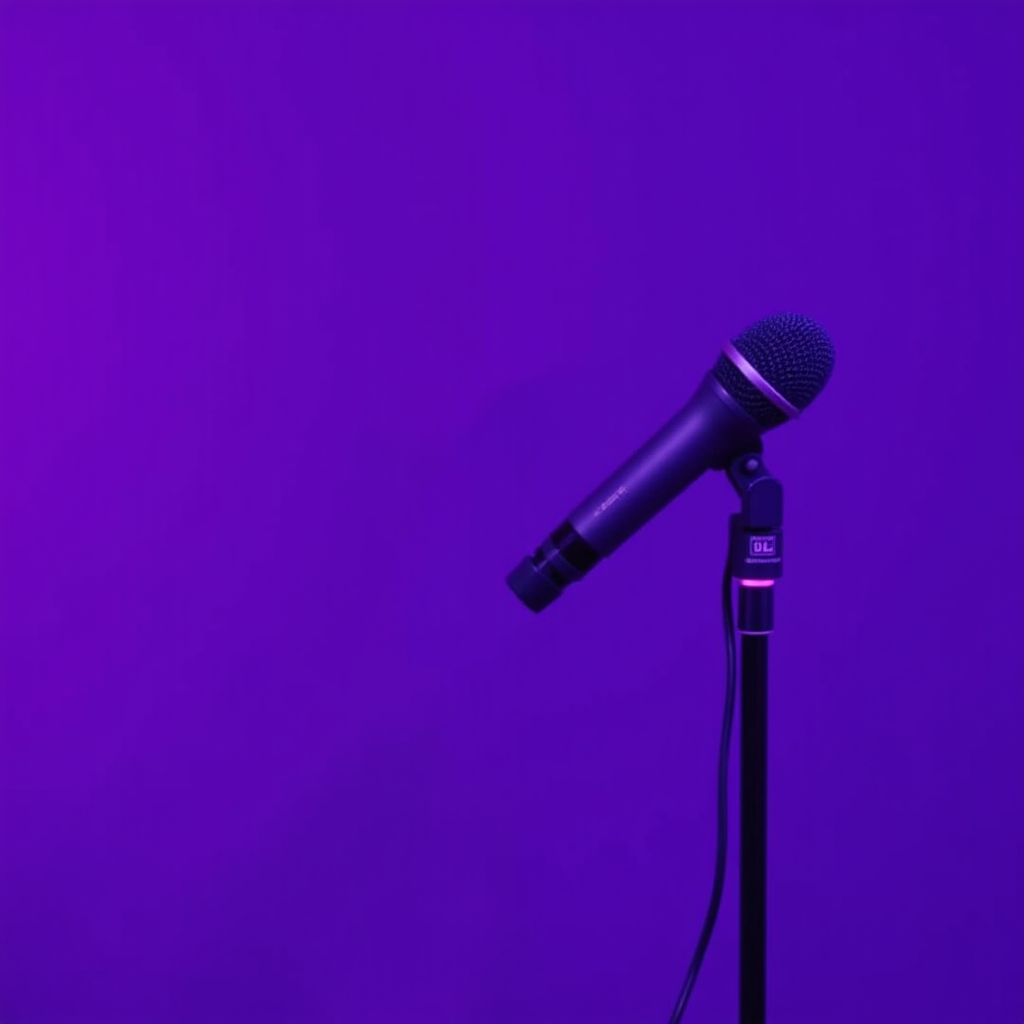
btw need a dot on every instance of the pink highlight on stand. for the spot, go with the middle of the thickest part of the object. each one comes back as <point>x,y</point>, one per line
<point>757,583</point>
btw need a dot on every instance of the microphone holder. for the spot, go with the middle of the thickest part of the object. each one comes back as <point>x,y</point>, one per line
<point>756,558</point>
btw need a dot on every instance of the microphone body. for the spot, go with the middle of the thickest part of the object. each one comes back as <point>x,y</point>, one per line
<point>707,433</point>
<point>765,377</point>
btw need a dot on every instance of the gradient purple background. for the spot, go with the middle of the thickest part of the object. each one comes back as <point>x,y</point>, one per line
<point>315,318</point>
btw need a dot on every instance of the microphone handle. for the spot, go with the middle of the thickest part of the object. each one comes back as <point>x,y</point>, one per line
<point>707,433</point>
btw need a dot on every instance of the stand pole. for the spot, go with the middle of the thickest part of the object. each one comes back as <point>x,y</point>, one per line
<point>756,556</point>
<point>753,825</point>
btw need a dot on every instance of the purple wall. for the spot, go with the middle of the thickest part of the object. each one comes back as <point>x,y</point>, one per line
<point>314,319</point>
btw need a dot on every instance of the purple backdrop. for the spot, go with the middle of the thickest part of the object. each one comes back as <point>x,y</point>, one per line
<point>315,319</point>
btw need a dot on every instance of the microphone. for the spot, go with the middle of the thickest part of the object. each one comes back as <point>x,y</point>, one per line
<point>766,376</point>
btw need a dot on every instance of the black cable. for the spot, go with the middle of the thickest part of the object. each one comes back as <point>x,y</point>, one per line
<point>723,801</point>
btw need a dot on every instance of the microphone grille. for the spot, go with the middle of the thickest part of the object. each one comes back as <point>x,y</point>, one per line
<point>791,353</point>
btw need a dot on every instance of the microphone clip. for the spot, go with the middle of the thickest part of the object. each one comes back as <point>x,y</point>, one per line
<point>755,541</point>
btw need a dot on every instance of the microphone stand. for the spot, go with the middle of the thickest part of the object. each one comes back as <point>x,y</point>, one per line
<point>756,557</point>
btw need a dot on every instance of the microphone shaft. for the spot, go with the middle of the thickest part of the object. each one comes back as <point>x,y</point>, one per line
<point>707,433</point>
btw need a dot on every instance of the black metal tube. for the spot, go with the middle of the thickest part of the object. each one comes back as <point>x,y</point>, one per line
<point>753,826</point>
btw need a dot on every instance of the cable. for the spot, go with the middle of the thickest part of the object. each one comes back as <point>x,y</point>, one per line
<point>723,802</point>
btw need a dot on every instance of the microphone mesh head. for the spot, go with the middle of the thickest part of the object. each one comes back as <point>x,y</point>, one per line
<point>791,353</point>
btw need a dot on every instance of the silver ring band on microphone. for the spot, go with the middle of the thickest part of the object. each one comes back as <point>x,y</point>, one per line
<point>736,358</point>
